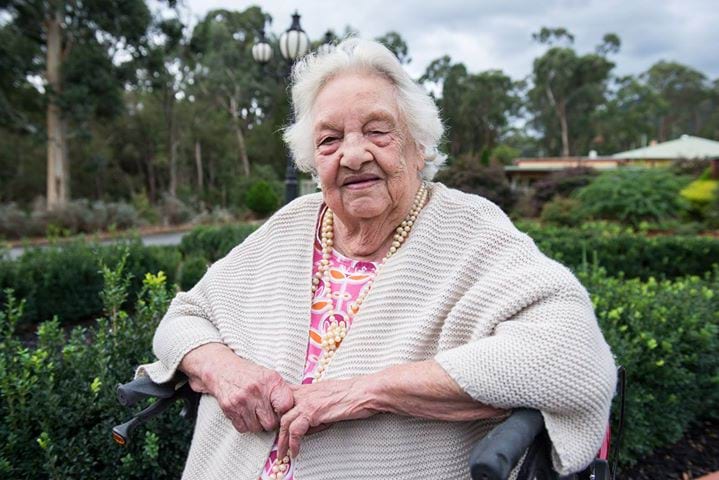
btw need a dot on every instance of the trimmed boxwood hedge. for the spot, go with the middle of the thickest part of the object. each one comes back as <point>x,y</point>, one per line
<point>65,281</point>
<point>629,254</point>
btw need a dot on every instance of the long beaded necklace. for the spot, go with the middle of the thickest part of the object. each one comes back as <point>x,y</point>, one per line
<point>337,330</point>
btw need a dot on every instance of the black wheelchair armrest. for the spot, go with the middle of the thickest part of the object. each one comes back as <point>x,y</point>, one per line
<point>130,393</point>
<point>494,457</point>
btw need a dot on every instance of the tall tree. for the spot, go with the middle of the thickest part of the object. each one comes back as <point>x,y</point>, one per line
<point>568,87</point>
<point>476,107</point>
<point>225,71</point>
<point>683,89</point>
<point>67,40</point>
<point>163,70</point>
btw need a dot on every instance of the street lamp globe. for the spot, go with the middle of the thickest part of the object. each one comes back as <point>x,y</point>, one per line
<point>262,50</point>
<point>327,45</point>
<point>294,42</point>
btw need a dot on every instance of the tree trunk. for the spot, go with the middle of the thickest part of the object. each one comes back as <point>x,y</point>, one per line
<point>198,164</point>
<point>565,130</point>
<point>234,111</point>
<point>561,111</point>
<point>58,171</point>
<point>172,140</point>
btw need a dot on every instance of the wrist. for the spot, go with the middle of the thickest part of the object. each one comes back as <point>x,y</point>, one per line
<point>375,390</point>
<point>199,364</point>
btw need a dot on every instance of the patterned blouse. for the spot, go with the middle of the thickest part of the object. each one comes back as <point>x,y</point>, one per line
<point>347,277</point>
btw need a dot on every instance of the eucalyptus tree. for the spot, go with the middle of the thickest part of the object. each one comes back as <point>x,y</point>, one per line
<point>163,71</point>
<point>225,72</point>
<point>685,92</point>
<point>77,51</point>
<point>567,88</point>
<point>476,107</point>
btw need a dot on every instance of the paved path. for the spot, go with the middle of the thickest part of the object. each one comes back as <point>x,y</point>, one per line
<point>166,238</point>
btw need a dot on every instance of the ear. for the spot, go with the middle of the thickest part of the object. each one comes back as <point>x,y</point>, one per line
<point>419,153</point>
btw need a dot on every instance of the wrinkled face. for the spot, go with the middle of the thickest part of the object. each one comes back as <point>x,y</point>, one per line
<point>366,162</point>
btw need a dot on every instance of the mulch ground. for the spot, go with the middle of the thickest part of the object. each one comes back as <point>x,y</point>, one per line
<point>695,455</point>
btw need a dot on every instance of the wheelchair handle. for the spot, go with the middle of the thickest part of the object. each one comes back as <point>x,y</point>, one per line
<point>130,393</point>
<point>494,457</point>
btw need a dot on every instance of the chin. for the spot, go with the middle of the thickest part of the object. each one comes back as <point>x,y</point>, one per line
<point>366,208</point>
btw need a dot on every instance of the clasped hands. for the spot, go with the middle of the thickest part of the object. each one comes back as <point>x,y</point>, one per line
<point>256,399</point>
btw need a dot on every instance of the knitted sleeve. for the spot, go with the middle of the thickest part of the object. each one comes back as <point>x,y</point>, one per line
<point>549,355</point>
<point>187,324</point>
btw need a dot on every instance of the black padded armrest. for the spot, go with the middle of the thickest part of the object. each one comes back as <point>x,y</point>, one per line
<point>128,394</point>
<point>494,457</point>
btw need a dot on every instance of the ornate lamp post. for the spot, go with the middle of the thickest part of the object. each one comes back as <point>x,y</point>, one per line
<point>294,43</point>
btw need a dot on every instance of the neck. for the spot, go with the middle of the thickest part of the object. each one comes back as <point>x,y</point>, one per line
<point>370,239</point>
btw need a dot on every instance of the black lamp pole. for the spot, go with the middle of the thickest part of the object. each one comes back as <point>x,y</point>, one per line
<point>293,43</point>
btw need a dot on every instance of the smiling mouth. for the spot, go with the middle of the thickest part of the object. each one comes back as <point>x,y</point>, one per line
<point>360,181</point>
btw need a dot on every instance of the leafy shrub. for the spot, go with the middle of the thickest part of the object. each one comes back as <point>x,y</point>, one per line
<point>700,192</point>
<point>174,211</point>
<point>561,183</point>
<point>633,195</point>
<point>563,211</point>
<point>191,271</point>
<point>12,221</point>
<point>78,216</point>
<point>666,335</point>
<point>261,198</point>
<point>214,242</point>
<point>65,281</point>
<point>619,251</point>
<point>467,173</point>
<point>58,402</point>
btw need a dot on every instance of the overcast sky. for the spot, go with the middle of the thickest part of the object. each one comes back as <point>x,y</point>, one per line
<point>497,34</point>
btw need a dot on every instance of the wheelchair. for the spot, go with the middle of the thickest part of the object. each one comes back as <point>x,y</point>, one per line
<point>522,434</point>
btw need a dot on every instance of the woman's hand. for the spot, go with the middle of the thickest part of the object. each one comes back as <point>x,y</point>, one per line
<point>252,397</point>
<point>420,389</point>
<point>321,404</point>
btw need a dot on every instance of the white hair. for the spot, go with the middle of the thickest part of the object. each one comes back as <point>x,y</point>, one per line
<point>416,107</point>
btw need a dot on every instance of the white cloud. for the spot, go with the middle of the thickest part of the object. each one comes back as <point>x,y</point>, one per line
<point>497,34</point>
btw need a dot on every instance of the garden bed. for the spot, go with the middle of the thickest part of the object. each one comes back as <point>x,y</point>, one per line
<point>695,455</point>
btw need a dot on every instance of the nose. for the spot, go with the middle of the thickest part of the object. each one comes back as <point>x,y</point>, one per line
<point>355,151</point>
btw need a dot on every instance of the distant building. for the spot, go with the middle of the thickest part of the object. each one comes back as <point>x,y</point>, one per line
<point>526,171</point>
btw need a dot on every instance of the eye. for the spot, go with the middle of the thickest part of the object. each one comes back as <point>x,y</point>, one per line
<point>327,141</point>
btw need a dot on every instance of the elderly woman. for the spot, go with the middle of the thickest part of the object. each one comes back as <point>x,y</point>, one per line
<point>379,328</point>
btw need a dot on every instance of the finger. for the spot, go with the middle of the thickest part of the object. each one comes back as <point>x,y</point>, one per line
<point>239,423</point>
<point>297,430</point>
<point>319,428</point>
<point>282,398</point>
<point>283,438</point>
<point>251,420</point>
<point>267,418</point>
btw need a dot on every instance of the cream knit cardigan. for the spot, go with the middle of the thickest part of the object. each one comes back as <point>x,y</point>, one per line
<point>512,327</point>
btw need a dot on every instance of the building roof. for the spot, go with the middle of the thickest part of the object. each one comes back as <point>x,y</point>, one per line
<point>687,146</point>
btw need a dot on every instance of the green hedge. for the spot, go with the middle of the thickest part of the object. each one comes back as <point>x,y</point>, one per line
<point>214,242</point>
<point>666,334</point>
<point>66,282</point>
<point>623,252</point>
<point>58,402</point>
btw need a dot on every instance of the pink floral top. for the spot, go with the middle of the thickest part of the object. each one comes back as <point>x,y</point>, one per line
<point>347,277</point>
